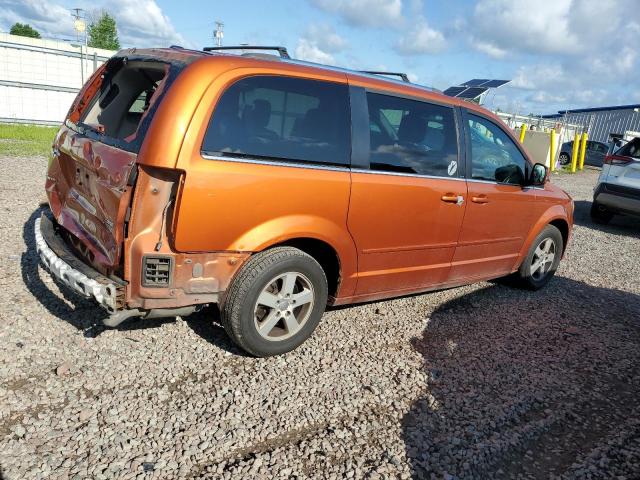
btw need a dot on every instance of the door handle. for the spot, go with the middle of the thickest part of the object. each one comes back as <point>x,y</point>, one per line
<point>452,198</point>
<point>480,199</point>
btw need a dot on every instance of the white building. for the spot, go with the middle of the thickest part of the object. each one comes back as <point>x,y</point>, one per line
<point>40,78</point>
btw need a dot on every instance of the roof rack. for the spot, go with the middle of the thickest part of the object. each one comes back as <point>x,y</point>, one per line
<point>403,76</point>
<point>281,50</point>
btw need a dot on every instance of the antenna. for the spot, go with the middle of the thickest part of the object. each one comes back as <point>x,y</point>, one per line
<point>218,33</point>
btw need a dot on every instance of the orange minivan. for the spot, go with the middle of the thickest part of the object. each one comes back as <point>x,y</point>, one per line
<point>274,187</point>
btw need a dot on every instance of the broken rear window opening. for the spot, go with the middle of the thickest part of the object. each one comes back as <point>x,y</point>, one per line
<point>129,92</point>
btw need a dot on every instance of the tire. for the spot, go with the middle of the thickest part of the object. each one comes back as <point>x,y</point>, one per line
<point>599,214</point>
<point>564,158</point>
<point>532,279</point>
<point>294,290</point>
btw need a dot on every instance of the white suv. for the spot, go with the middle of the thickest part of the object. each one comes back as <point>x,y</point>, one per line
<point>618,187</point>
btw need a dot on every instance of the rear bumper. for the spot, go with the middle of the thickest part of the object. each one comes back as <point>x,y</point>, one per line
<point>73,272</point>
<point>618,198</point>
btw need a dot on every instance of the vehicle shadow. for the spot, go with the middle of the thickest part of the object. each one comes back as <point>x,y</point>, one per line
<point>72,307</point>
<point>619,225</point>
<point>498,364</point>
<point>85,315</point>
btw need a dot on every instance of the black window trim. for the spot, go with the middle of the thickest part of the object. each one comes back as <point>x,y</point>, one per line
<point>359,103</point>
<point>468,165</point>
<point>279,161</point>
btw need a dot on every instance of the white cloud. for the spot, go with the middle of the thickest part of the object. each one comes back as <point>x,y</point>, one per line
<point>421,39</point>
<point>307,50</point>
<point>326,38</point>
<point>490,49</point>
<point>318,44</point>
<point>539,26</point>
<point>50,19</point>
<point>367,13</point>
<point>140,23</point>
<point>572,53</point>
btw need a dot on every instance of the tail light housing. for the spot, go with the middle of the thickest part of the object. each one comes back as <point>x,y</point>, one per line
<point>617,160</point>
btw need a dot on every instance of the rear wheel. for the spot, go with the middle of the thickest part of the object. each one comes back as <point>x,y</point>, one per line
<point>564,158</point>
<point>543,259</point>
<point>275,302</point>
<point>599,214</point>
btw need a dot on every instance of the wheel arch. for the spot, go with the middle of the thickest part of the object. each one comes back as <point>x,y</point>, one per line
<point>331,245</point>
<point>324,253</point>
<point>556,216</point>
<point>562,225</point>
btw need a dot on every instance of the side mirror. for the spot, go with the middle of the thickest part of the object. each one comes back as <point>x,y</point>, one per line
<point>538,175</point>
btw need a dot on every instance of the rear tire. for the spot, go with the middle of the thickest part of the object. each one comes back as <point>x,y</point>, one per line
<point>600,214</point>
<point>542,261</point>
<point>275,301</point>
<point>564,159</point>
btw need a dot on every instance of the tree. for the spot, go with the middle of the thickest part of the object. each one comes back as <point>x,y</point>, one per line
<point>24,30</point>
<point>102,33</point>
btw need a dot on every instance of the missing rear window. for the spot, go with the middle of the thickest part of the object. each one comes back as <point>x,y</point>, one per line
<point>124,98</point>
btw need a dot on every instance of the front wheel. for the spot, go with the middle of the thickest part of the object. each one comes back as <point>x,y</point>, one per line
<point>275,301</point>
<point>543,259</point>
<point>564,159</point>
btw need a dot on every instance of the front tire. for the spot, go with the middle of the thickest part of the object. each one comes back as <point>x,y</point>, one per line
<point>564,159</point>
<point>543,259</point>
<point>275,302</point>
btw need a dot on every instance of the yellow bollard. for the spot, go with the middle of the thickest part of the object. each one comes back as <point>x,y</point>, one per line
<point>574,153</point>
<point>583,150</point>
<point>523,130</point>
<point>552,150</point>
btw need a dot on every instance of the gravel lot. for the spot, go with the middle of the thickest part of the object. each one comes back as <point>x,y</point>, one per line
<point>482,381</point>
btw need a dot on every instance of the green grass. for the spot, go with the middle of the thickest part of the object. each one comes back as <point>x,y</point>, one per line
<point>26,140</point>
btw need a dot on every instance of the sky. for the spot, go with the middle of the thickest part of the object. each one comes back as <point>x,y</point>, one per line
<point>558,54</point>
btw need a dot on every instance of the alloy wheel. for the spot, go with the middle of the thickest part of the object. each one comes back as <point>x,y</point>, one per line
<point>543,258</point>
<point>283,306</point>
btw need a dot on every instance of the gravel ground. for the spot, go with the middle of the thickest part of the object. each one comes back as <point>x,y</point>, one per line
<point>482,381</point>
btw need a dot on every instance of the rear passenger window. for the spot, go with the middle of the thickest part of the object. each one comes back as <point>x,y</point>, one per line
<point>494,156</point>
<point>409,136</point>
<point>282,118</point>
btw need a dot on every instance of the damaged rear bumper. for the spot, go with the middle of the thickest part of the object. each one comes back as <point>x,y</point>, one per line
<point>72,271</point>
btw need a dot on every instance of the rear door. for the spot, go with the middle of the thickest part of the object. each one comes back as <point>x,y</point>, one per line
<point>407,192</point>
<point>500,210</point>
<point>267,160</point>
<point>91,173</point>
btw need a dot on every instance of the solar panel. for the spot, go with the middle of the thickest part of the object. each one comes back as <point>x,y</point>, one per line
<point>476,82</point>
<point>473,92</point>
<point>495,83</point>
<point>454,91</point>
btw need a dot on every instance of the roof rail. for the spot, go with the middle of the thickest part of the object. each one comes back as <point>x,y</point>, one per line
<point>403,76</point>
<point>281,50</point>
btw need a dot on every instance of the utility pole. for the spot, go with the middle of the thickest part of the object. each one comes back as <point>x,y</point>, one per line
<point>218,33</point>
<point>80,26</point>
